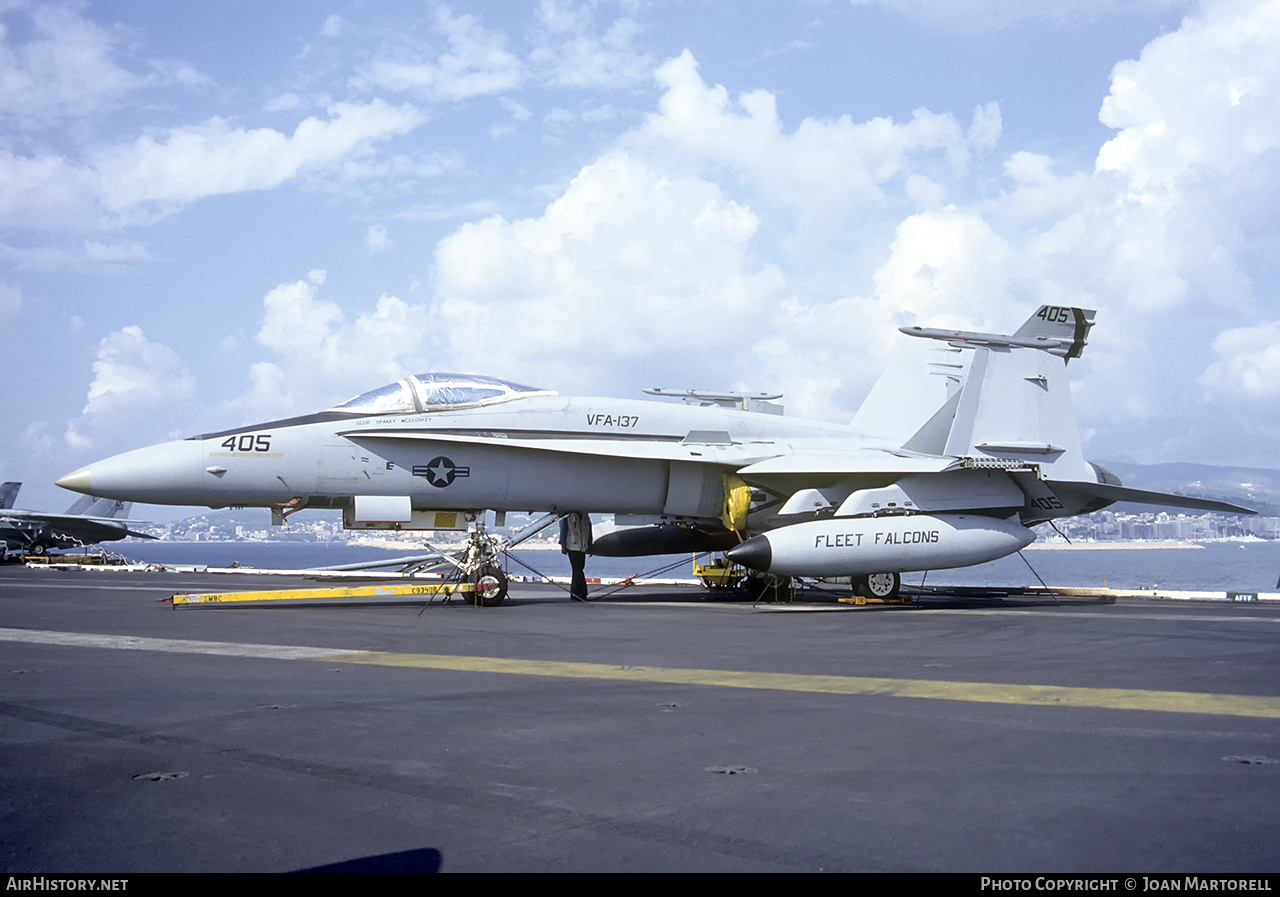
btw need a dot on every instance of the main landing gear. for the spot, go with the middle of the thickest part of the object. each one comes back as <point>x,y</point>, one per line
<point>880,586</point>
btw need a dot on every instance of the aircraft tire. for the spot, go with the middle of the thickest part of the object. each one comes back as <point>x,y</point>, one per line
<point>769,588</point>
<point>491,588</point>
<point>37,549</point>
<point>883,586</point>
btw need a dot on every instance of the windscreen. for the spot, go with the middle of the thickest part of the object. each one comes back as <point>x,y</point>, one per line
<point>437,391</point>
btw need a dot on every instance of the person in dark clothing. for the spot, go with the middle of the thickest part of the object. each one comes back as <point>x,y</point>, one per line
<point>575,541</point>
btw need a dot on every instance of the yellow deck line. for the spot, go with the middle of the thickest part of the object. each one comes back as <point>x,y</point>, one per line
<point>982,692</point>
<point>1256,706</point>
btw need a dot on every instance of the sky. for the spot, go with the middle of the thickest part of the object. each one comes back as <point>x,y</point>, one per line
<point>217,214</point>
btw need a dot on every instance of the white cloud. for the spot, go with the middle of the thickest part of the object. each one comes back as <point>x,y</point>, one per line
<point>1163,235</point>
<point>285,102</point>
<point>628,266</point>
<point>65,68</point>
<point>157,174</point>
<point>332,26</point>
<point>944,268</point>
<point>793,46</point>
<point>631,249</point>
<point>10,301</point>
<point>376,239</point>
<point>476,63</point>
<point>985,15</point>
<point>1202,100</point>
<point>823,169</point>
<point>47,191</point>
<point>672,259</point>
<point>572,54</point>
<point>134,379</point>
<point>516,110</point>
<point>949,268</point>
<point>316,350</point>
<point>1247,373</point>
<point>56,64</point>
<point>36,441</point>
<point>1155,245</point>
<point>518,113</point>
<point>213,158</point>
<point>125,251</point>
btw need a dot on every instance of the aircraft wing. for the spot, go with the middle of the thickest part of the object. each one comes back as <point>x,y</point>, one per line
<point>770,465</point>
<point>789,473</point>
<point>703,446</point>
<point>83,529</point>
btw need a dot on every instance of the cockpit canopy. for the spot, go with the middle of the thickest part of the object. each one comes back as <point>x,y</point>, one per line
<point>437,392</point>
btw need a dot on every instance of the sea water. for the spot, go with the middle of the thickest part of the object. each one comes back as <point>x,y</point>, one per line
<point>1215,566</point>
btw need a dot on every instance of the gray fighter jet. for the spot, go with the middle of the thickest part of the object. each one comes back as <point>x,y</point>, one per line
<point>89,520</point>
<point>947,463</point>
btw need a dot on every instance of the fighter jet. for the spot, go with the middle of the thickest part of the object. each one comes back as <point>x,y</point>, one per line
<point>89,520</point>
<point>946,464</point>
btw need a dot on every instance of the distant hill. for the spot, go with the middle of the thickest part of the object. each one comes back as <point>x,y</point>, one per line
<point>1253,487</point>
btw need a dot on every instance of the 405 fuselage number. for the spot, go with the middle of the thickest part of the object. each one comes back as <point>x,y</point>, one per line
<point>249,442</point>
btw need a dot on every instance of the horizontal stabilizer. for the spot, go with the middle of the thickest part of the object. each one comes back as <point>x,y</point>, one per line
<point>1054,329</point>
<point>1108,493</point>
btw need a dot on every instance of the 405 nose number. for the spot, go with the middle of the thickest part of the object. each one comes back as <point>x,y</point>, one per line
<point>249,442</point>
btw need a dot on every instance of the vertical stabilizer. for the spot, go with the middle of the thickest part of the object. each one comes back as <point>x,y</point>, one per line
<point>8,493</point>
<point>81,506</point>
<point>920,382</point>
<point>109,508</point>
<point>1016,404</point>
<point>105,508</point>
<point>1015,401</point>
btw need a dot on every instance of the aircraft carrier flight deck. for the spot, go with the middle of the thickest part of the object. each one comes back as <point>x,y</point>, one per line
<point>649,730</point>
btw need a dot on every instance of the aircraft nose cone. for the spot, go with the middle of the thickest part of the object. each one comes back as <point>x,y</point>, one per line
<point>77,481</point>
<point>755,553</point>
<point>160,474</point>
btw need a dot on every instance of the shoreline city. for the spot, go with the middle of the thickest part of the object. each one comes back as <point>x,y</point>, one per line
<point>1102,530</point>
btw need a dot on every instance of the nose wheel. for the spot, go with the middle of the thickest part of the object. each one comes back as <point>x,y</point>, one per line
<point>480,567</point>
<point>490,587</point>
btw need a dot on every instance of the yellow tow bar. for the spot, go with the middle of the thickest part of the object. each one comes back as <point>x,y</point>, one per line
<point>861,600</point>
<point>383,591</point>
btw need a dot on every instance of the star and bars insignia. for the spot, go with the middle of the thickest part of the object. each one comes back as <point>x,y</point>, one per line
<point>440,471</point>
